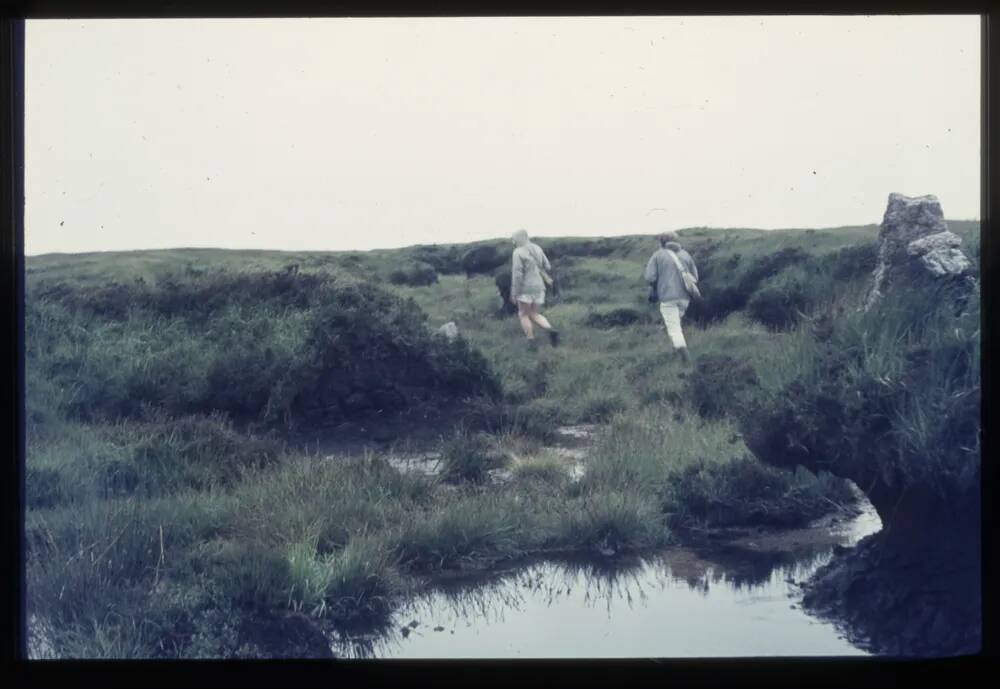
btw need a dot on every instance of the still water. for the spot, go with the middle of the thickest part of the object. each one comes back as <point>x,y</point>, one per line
<point>680,603</point>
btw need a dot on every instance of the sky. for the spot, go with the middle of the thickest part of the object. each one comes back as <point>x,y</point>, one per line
<point>353,134</point>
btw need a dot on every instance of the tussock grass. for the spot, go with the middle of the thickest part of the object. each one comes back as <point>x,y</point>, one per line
<point>468,456</point>
<point>892,395</point>
<point>744,491</point>
<point>158,456</point>
<point>358,581</point>
<point>321,348</point>
<point>473,529</point>
<point>614,519</point>
<point>331,499</point>
<point>543,469</point>
<point>643,450</point>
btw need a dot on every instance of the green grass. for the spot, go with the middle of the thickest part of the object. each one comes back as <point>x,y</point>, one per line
<point>889,397</point>
<point>156,525</point>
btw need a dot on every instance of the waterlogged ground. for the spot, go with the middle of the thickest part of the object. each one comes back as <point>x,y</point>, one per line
<point>740,598</point>
<point>570,447</point>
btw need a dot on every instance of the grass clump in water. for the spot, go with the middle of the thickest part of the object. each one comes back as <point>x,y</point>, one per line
<point>359,581</point>
<point>468,456</point>
<point>743,491</point>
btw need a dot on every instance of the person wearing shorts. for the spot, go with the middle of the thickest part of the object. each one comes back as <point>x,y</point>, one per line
<point>527,288</point>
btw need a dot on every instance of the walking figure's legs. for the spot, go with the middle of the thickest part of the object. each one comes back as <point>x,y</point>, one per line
<point>543,323</point>
<point>672,320</point>
<point>671,313</point>
<point>524,315</point>
<point>539,319</point>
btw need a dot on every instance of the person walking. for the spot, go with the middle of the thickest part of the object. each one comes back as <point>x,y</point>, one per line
<point>664,273</point>
<point>527,286</point>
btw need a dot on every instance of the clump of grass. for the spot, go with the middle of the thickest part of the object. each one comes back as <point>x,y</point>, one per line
<point>483,259</point>
<point>417,275</point>
<point>851,262</point>
<point>536,419</point>
<point>468,456</point>
<point>700,470</point>
<point>614,519</point>
<point>443,259</point>
<point>744,491</point>
<point>726,291</point>
<point>472,531</point>
<point>889,396</point>
<point>192,451</point>
<point>778,306</point>
<point>322,348</point>
<point>332,500</point>
<point>596,406</point>
<point>113,637</point>
<point>156,456</point>
<point>251,575</point>
<point>541,468</point>
<point>90,569</point>
<point>719,385</point>
<point>358,581</point>
<point>617,318</point>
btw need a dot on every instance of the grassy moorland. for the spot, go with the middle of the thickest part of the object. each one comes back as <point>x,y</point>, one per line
<point>171,511</point>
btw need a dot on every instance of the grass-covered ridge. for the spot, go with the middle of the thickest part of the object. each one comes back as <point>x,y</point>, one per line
<point>165,516</point>
<point>259,346</point>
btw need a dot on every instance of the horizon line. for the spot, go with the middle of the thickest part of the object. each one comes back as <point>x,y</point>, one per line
<point>477,241</point>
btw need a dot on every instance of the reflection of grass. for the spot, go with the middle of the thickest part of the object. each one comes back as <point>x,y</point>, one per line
<point>579,582</point>
<point>154,536</point>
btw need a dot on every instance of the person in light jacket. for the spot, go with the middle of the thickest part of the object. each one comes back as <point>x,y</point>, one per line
<point>667,285</point>
<point>527,288</point>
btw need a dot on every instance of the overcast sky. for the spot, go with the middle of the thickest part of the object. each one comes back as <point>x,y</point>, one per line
<point>334,134</point>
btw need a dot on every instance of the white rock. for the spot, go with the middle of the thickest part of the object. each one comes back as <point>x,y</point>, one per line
<point>939,254</point>
<point>939,240</point>
<point>449,330</point>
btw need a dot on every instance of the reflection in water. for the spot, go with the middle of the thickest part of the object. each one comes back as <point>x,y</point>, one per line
<point>679,603</point>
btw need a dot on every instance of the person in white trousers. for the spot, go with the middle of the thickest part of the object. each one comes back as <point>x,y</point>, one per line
<point>667,286</point>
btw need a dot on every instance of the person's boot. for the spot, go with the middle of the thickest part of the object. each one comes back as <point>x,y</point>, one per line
<point>554,337</point>
<point>533,344</point>
<point>682,352</point>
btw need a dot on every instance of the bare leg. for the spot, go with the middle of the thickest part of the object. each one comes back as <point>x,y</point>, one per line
<point>539,319</point>
<point>543,322</point>
<point>524,315</point>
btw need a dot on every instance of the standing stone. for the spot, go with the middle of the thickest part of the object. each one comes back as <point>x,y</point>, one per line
<point>915,246</point>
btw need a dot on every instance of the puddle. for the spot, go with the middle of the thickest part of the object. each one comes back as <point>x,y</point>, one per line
<point>427,463</point>
<point>575,445</point>
<point>679,603</point>
<point>572,447</point>
<point>736,599</point>
<point>573,453</point>
<point>579,432</point>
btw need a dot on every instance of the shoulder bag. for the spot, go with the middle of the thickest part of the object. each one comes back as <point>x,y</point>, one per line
<point>690,282</point>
